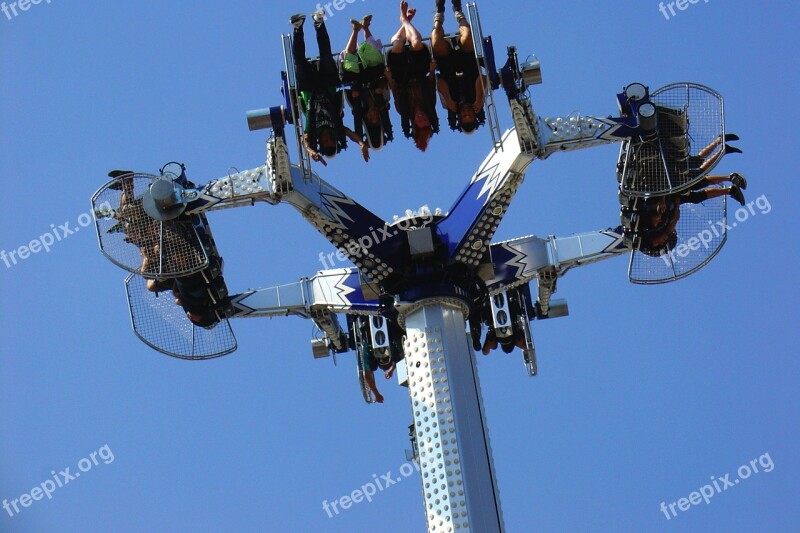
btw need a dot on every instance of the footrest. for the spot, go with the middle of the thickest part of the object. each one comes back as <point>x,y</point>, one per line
<point>141,245</point>
<point>699,235</point>
<point>163,325</point>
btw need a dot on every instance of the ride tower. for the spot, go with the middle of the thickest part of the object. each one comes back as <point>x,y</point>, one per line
<point>426,288</point>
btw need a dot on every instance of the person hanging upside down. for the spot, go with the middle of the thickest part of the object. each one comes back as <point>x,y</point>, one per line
<point>324,134</point>
<point>364,68</point>
<point>461,84</point>
<point>412,76</point>
<point>667,213</point>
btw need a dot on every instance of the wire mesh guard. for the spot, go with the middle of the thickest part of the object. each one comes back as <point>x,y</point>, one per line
<point>139,244</point>
<point>689,142</point>
<point>701,230</point>
<point>162,324</point>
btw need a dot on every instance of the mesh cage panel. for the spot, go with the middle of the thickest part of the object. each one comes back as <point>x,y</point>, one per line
<point>702,231</point>
<point>162,324</point>
<point>139,244</point>
<point>691,129</point>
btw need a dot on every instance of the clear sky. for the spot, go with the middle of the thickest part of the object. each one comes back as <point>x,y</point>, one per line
<point>644,393</point>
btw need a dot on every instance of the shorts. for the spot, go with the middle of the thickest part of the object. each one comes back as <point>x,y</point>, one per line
<point>369,54</point>
<point>410,65</point>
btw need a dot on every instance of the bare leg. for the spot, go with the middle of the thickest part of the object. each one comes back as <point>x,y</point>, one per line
<point>714,180</point>
<point>352,44</point>
<point>399,41</point>
<point>441,47</point>
<point>466,36</point>
<point>413,35</point>
<point>712,160</point>
<point>705,152</point>
<point>365,24</point>
<point>400,38</point>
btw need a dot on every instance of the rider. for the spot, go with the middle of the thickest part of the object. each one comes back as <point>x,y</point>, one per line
<point>664,218</point>
<point>324,134</point>
<point>363,67</point>
<point>412,76</point>
<point>386,361</point>
<point>461,84</point>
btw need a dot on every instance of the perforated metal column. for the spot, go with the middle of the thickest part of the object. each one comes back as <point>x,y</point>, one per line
<point>458,481</point>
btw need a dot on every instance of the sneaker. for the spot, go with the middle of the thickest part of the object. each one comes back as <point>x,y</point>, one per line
<point>319,18</point>
<point>731,137</point>
<point>736,194</point>
<point>297,21</point>
<point>739,180</point>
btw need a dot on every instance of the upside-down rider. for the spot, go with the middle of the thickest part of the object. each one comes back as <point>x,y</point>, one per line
<point>324,133</point>
<point>412,76</point>
<point>364,69</point>
<point>460,84</point>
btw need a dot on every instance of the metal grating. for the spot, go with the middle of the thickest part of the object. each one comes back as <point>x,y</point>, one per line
<point>162,324</point>
<point>689,143</point>
<point>702,231</point>
<point>137,243</point>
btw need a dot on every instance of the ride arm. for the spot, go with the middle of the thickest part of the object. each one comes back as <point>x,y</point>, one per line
<point>519,261</point>
<point>359,234</point>
<point>337,291</point>
<point>474,218</point>
<point>318,299</point>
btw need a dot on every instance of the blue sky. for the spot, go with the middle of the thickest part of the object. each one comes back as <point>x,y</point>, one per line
<point>644,393</point>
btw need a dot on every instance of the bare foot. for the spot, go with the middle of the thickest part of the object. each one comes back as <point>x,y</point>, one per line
<point>366,21</point>
<point>403,11</point>
<point>411,13</point>
<point>357,26</point>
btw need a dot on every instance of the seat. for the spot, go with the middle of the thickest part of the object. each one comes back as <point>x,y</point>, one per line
<point>685,146</point>
<point>132,240</point>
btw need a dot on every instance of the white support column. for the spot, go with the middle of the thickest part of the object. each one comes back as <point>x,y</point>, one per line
<point>458,481</point>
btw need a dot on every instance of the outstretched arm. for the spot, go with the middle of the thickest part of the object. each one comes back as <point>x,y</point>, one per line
<point>370,378</point>
<point>312,153</point>
<point>480,93</point>
<point>444,93</point>
<point>356,139</point>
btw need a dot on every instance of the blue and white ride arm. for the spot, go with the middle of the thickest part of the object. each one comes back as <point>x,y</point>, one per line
<point>519,261</point>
